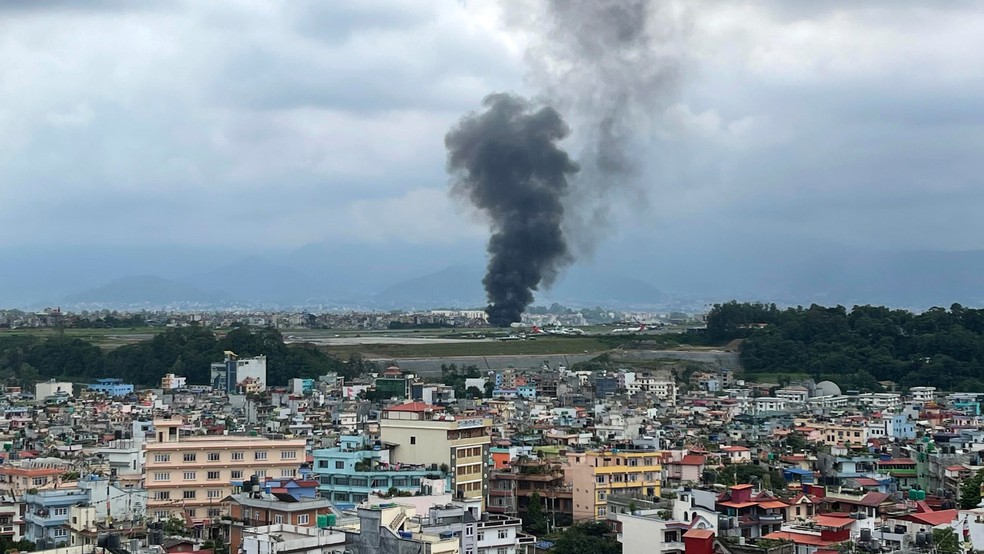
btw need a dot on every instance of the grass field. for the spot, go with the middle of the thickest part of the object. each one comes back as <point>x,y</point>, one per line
<point>545,345</point>
<point>103,338</point>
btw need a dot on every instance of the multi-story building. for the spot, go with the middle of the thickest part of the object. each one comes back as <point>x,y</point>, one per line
<point>173,382</point>
<point>423,434</point>
<point>361,465</point>
<point>189,476</point>
<point>923,394</point>
<point>11,518</point>
<point>15,479</point>
<point>45,389</point>
<point>478,533</point>
<point>230,374</point>
<point>510,489</point>
<point>658,387</point>
<point>46,515</point>
<point>111,387</point>
<point>255,509</point>
<point>597,473</point>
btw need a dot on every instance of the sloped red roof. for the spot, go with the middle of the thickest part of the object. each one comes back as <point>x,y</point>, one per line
<point>934,518</point>
<point>693,460</point>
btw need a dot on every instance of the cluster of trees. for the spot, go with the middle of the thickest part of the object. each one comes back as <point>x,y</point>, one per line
<point>456,377</point>
<point>187,351</point>
<point>587,537</point>
<point>858,347</point>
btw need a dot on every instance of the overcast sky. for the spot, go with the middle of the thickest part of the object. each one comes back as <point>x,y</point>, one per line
<point>280,124</point>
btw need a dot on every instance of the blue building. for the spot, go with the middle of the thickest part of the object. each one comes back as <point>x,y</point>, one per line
<point>112,387</point>
<point>46,515</point>
<point>902,428</point>
<point>360,466</point>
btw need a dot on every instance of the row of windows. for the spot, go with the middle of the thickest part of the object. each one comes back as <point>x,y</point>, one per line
<point>189,457</point>
<point>469,470</point>
<point>302,519</point>
<point>189,494</point>
<point>363,482</point>
<point>470,487</point>
<point>234,475</point>
<point>470,452</point>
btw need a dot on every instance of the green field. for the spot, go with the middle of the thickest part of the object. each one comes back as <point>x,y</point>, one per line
<point>103,338</point>
<point>546,345</point>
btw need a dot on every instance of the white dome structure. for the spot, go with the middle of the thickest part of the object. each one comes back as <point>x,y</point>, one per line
<point>828,388</point>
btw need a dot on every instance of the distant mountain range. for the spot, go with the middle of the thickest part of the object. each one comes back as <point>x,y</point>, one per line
<point>631,275</point>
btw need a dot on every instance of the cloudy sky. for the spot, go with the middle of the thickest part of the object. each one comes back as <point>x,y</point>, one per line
<point>281,124</point>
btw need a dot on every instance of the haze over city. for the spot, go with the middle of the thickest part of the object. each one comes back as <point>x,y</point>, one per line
<point>804,151</point>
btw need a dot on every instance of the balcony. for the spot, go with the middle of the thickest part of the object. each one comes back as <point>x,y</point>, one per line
<point>770,518</point>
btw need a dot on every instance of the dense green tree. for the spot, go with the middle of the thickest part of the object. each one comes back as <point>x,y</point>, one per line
<point>970,491</point>
<point>946,541</point>
<point>587,537</point>
<point>535,520</point>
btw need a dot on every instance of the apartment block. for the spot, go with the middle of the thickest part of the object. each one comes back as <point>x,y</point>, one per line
<point>420,433</point>
<point>597,473</point>
<point>189,476</point>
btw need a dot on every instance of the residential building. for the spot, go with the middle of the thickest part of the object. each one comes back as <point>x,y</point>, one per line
<point>923,394</point>
<point>173,382</point>
<point>422,434</point>
<point>189,476</point>
<point>46,515</point>
<point>257,509</point>
<point>230,374</point>
<point>361,465</point>
<point>282,538</point>
<point>478,533</point>
<point>510,488</point>
<point>111,387</point>
<point>46,389</point>
<point>597,473</point>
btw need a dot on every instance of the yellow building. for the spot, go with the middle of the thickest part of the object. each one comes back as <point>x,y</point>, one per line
<point>189,477</point>
<point>595,474</point>
<point>423,434</point>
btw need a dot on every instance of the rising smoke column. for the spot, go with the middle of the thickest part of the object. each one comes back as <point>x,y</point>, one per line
<point>612,67</point>
<point>506,161</point>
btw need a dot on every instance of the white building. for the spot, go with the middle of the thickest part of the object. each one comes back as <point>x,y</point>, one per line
<point>229,375</point>
<point>923,394</point>
<point>767,404</point>
<point>793,394</point>
<point>45,389</point>
<point>284,538</point>
<point>655,386</point>
<point>881,401</point>
<point>173,382</point>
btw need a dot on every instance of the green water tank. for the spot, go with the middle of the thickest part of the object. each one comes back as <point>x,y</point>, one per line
<point>332,520</point>
<point>322,521</point>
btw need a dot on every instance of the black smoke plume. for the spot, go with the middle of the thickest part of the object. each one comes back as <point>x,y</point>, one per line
<point>508,164</point>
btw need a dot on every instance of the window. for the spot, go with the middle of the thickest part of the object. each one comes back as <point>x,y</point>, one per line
<point>339,465</point>
<point>238,456</point>
<point>190,475</point>
<point>469,531</point>
<point>60,532</point>
<point>279,518</point>
<point>214,493</point>
<point>213,475</point>
<point>261,473</point>
<point>288,472</point>
<point>63,511</point>
<point>236,474</point>
<point>503,533</point>
<point>189,495</point>
<point>162,457</point>
<point>259,455</point>
<point>190,457</point>
<point>214,512</point>
<point>502,550</point>
<point>190,512</point>
<point>38,481</point>
<point>162,495</point>
<point>288,455</point>
<point>214,456</point>
<point>162,514</point>
<point>303,519</point>
<point>481,536</point>
<point>162,476</point>
<point>413,439</point>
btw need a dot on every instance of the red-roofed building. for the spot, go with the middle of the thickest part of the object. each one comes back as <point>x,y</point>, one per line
<point>750,514</point>
<point>687,469</point>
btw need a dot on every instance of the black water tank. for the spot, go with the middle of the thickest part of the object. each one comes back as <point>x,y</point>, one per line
<point>113,542</point>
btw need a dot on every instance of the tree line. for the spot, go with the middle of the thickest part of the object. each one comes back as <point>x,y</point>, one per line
<point>857,347</point>
<point>187,351</point>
